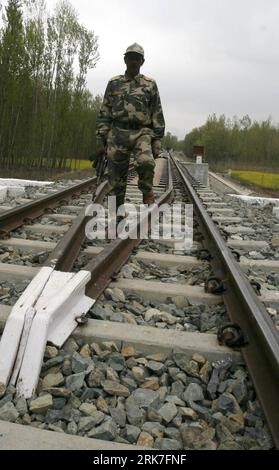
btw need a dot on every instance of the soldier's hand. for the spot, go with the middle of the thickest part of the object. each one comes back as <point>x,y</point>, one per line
<point>95,161</point>
<point>100,150</point>
<point>156,152</point>
<point>156,148</point>
<point>99,154</point>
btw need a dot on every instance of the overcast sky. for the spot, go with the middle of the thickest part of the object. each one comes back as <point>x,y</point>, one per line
<point>207,56</point>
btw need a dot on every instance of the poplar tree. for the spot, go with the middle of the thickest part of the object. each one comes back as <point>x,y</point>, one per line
<point>47,114</point>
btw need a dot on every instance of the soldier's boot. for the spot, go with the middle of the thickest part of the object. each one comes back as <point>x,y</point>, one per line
<point>149,198</point>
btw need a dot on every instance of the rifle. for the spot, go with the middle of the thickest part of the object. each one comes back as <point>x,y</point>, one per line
<point>101,165</point>
<point>99,162</point>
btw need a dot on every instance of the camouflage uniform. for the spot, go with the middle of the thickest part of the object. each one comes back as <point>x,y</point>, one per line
<point>130,121</point>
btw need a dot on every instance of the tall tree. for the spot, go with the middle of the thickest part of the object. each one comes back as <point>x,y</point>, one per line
<point>237,142</point>
<point>46,113</point>
<point>14,80</point>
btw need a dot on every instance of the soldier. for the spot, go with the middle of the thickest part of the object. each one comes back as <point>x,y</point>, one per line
<point>131,120</point>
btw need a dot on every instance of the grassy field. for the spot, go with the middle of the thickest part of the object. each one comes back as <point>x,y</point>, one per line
<point>79,164</point>
<point>264,180</point>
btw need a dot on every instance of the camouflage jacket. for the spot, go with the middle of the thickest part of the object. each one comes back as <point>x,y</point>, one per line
<point>131,100</point>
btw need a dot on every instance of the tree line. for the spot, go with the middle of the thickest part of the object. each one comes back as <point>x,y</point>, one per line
<point>47,115</point>
<point>234,143</point>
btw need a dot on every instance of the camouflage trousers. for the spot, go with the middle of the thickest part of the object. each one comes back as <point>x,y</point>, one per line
<point>120,144</point>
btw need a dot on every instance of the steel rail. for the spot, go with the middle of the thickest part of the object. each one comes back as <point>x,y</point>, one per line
<point>62,258</point>
<point>261,354</point>
<point>18,216</point>
<point>104,267</point>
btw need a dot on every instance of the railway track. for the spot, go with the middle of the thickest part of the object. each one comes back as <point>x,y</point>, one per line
<point>145,368</point>
<point>14,217</point>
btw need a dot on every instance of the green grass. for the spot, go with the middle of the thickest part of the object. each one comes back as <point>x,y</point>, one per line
<point>264,180</point>
<point>79,164</point>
